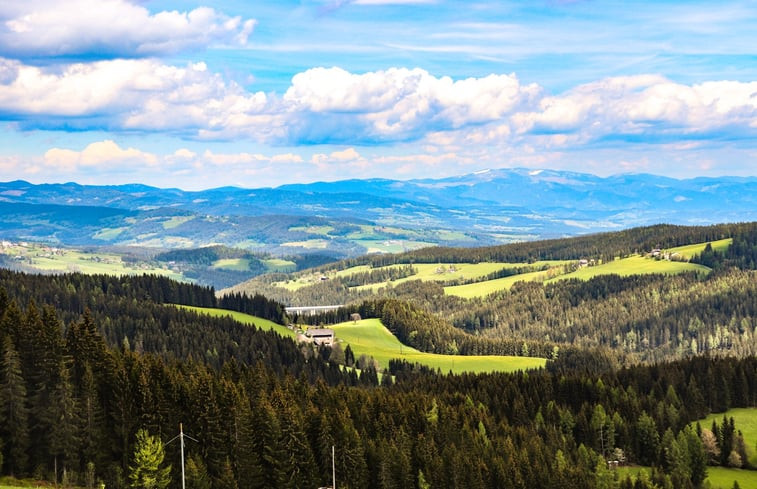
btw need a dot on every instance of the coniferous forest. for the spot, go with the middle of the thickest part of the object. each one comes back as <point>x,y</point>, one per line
<point>97,373</point>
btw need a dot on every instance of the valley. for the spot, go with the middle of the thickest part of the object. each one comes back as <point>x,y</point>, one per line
<point>574,348</point>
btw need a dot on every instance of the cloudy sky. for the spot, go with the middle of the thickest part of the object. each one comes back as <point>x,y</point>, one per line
<point>199,94</point>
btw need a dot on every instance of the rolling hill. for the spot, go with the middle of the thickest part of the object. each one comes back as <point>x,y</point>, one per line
<point>350,218</point>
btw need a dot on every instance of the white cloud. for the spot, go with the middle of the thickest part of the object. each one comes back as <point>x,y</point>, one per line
<point>646,105</point>
<point>142,95</point>
<point>98,154</point>
<point>336,107</point>
<point>399,104</point>
<point>102,29</point>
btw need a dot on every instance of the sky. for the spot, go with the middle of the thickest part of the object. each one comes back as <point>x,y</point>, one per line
<point>200,94</point>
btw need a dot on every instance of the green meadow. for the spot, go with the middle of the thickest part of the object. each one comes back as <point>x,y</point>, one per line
<point>372,338</point>
<point>481,289</point>
<point>689,251</point>
<point>634,265</point>
<point>717,477</point>
<point>236,264</point>
<point>745,420</point>
<point>65,260</point>
<point>243,318</point>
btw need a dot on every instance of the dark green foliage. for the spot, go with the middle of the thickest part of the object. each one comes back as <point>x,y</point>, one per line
<point>257,305</point>
<point>266,417</point>
<point>742,253</point>
<point>14,416</point>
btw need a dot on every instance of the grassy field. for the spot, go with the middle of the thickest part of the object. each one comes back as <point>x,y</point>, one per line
<point>690,250</point>
<point>722,478</point>
<point>259,323</point>
<point>440,272</point>
<point>718,477</point>
<point>371,337</point>
<point>237,264</point>
<point>279,265</point>
<point>481,289</point>
<point>64,260</point>
<point>634,265</point>
<point>745,420</point>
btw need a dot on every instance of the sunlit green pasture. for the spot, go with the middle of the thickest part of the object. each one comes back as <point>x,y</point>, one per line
<point>723,477</point>
<point>243,318</point>
<point>745,420</point>
<point>440,272</point>
<point>634,265</point>
<point>280,265</point>
<point>236,264</point>
<point>107,234</point>
<point>444,272</point>
<point>481,289</point>
<point>717,477</point>
<point>371,337</point>
<point>68,260</point>
<point>689,251</point>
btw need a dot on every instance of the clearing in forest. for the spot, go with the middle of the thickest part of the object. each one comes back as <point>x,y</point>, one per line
<point>370,337</point>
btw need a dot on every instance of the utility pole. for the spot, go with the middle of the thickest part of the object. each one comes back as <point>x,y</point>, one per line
<point>333,469</point>
<point>181,436</point>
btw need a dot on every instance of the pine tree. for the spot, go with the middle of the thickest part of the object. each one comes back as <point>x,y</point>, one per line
<point>14,416</point>
<point>227,479</point>
<point>147,470</point>
<point>62,419</point>
<point>197,473</point>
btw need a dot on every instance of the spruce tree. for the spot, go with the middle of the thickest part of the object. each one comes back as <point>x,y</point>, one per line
<point>14,416</point>
<point>63,422</point>
<point>147,470</point>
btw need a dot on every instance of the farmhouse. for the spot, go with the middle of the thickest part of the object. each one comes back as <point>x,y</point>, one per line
<point>321,336</point>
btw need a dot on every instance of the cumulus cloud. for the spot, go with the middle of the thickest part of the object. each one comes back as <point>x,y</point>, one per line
<point>397,104</point>
<point>142,95</point>
<point>333,106</point>
<point>103,29</point>
<point>98,154</point>
<point>648,106</point>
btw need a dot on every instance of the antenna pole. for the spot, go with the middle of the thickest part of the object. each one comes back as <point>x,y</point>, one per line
<point>181,436</point>
<point>181,440</point>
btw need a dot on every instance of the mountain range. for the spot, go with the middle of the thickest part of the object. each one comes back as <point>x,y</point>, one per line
<point>351,217</point>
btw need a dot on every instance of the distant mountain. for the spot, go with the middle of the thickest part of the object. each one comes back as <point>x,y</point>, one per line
<point>358,216</point>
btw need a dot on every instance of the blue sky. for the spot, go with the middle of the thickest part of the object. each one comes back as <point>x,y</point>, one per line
<point>203,94</point>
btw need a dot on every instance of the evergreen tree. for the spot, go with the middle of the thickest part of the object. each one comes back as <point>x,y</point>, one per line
<point>648,440</point>
<point>14,421</point>
<point>197,473</point>
<point>62,419</point>
<point>227,479</point>
<point>147,470</point>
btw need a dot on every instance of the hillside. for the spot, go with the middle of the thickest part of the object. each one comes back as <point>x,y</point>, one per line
<point>663,303</point>
<point>133,366</point>
<point>96,358</point>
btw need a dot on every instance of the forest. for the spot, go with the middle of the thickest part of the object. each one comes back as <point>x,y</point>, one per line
<point>97,373</point>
